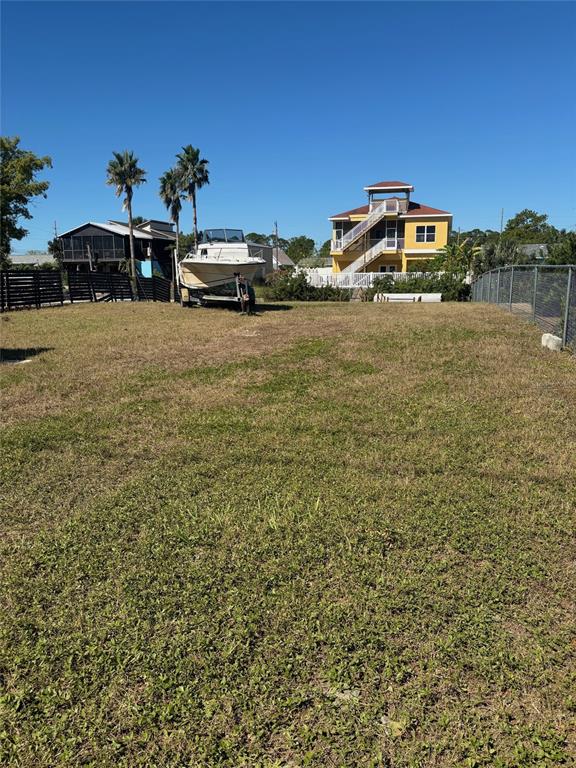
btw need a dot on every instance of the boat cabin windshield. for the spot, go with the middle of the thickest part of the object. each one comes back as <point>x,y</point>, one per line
<point>222,236</point>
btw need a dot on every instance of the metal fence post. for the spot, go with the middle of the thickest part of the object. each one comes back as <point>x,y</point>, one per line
<point>498,286</point>
<point>535,292</point>
<point>511,285</point>
<point>567,308</point>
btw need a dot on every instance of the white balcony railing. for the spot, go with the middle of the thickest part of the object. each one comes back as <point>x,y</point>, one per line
<point>388,244</point>
<point>391,205</point>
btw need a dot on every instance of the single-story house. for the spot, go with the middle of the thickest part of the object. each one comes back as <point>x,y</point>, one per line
<point>281,259</point>
<point>31,259</point>
<point>534,251</point>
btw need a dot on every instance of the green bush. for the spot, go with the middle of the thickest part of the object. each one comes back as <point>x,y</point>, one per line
<point>294,286</point>
<point>450,285</point>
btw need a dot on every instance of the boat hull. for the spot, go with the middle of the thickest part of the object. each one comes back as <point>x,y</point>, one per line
<point>203,275</point>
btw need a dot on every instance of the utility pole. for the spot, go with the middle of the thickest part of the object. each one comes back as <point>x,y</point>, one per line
<point>56,252</point>
<point>276,245</point>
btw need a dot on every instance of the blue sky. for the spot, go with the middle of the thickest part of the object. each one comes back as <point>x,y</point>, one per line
<point>297,106</point>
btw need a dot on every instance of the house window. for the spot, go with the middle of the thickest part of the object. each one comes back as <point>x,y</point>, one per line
<point>426,233</point>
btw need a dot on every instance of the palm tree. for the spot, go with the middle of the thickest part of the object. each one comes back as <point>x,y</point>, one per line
<point>124,174</point>
<point>193,173</point>
<point>170,193</point>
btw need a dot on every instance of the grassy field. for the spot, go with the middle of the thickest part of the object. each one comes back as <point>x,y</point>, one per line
<point>334,535</point>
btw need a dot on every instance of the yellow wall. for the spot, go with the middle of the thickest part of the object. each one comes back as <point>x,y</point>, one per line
<point>410,260</point>
<point>389,260</point>
<point>339,262</point>
<point>401,263</point>
<point>442,228</point>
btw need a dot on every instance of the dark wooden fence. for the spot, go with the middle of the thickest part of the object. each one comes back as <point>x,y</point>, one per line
<point>20,289</point>
<point>99,286</point>
<point>153,288</point>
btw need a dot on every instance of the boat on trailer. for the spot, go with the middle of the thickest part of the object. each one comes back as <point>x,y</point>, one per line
<point>213,269</point>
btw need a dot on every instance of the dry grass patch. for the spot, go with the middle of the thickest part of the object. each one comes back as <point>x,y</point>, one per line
<point>331,535</point>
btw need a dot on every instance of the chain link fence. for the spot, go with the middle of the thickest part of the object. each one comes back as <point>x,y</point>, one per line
<point>545,294</point>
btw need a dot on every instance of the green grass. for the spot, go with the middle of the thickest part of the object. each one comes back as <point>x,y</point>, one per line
<point>331,536</point>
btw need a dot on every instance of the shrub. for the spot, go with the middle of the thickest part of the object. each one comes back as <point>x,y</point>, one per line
<point>450,285</point>
<point>294,286</point>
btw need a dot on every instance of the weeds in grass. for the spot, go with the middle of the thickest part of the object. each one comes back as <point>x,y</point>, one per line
<point>346,541</point>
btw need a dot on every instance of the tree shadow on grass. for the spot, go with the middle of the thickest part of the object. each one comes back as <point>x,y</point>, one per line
<point>16,355</point>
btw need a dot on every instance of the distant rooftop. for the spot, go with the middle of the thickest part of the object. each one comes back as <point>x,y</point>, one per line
<point>33,259</point>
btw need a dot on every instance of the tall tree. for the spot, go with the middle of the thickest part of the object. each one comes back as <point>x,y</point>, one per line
<point>124,174</point>
<point>18,185</point>
<point>300,247</point>
<point>56,251</point>
<point>324,250</point>
<point>186,244</point>
<point>258,237</point>
<point>193,171</point>
<point>530,227</point>
<point>170,193</point>
<point>564,251</point>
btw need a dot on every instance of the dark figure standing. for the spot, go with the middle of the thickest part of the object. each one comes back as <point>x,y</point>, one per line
<point>251,298</point>
<point>247,296</point>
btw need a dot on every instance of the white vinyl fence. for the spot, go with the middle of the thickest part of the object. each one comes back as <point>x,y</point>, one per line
<point>354,279</point>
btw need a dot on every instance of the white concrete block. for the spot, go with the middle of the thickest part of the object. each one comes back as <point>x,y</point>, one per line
<point>552,342</point>
<point>425,297</point>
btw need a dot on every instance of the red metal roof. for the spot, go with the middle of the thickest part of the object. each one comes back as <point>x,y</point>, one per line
<point>386,184</point>
<point>347,214</point>
<point>414,209</point>
<point>419,209</point>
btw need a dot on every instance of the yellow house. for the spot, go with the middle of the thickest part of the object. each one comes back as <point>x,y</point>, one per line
<point>389,234</point>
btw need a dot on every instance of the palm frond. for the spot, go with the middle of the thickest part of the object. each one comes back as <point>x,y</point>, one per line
<point>192,169</point>
<point>124,174</point>
<point>171,192</point>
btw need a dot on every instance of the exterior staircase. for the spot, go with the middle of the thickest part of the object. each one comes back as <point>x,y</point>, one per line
<point>391,245</point>
<point>375,215</point>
